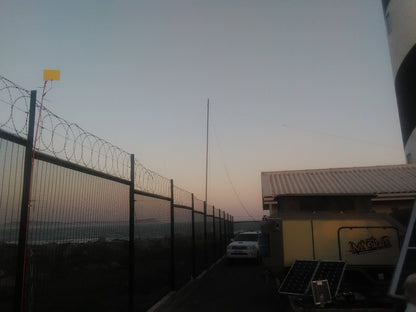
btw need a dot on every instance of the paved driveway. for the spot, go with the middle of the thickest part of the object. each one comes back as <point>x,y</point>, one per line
<point>238,287</point>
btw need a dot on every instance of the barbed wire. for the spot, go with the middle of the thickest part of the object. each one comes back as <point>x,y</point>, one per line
<point>68,141</point>
<point>14,107</point>
<point>198,205</point>
<point>209,210</point>
<point>58,137</point>
<point>182,197</point>
<point>217,212</point>
<point>149,181</point>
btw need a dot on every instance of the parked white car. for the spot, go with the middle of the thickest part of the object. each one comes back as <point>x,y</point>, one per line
<point>245,245</point>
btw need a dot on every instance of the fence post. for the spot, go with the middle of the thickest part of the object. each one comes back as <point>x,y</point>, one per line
<point>24,213</point>
<point>172,237</point>
<point>205,235</point>
<point>224,222</point>
<point>226,230</point>
<point>230,229</point>
<point>220,233</point>
<point>224,242</point>
<point>229,226</point>
<point>214,234</point>
<point>131,237</point>
<point>193,239</point>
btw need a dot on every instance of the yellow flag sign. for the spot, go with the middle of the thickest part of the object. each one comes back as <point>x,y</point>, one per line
<point>51,74</point>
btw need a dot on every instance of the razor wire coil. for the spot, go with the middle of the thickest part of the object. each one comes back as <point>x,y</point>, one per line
<point>72,143</point>
<point>149,181</point>
<point>68,141</point>
<point>14,107</point>
<point>182,197</point>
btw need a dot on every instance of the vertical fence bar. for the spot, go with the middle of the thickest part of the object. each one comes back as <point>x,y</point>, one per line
<point>226,232</point>
<point>131,237</point>
<point>205,235</point>
<point>24,213</point>
<point>172,238</point>
<point>220,233</point>
<point>214,234</point>
<point>230,233</point>
<point>229,226</point>
<point>193,239</point>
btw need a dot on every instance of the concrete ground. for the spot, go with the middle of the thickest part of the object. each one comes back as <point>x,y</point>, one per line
<point>240,287</point>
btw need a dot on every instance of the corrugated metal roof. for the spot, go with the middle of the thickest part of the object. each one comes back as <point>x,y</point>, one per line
<point>341,181</point>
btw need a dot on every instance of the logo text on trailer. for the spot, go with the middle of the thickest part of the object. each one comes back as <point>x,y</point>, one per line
<point>369,245</point>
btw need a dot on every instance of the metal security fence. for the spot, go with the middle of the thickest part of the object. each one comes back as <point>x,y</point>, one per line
<point>77,241</point>
<point>91,228</point>
<point>210,236</point>
<point>11,162</point>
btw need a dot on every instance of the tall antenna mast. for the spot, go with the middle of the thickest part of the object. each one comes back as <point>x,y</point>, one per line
<point>206,157</point>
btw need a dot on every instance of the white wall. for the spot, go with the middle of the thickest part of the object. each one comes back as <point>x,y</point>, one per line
<point>401,19</point>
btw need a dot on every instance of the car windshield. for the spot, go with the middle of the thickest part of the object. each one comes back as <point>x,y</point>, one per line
<point>246,238</point>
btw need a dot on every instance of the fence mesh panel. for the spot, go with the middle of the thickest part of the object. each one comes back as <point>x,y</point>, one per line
<point>199,205</point>
<point>152,250</point>
<point>210,240</point>
<point>183,246</point>
<point>199,243</point>
<point>11,179</point>
<point>77,242</point>
<point>182,197</point>
<point>218,234</point>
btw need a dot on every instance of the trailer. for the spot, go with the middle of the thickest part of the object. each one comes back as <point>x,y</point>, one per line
<point>331,240</point>
<point>367,247</point>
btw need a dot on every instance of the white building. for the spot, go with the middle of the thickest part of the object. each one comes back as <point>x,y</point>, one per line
<point>400,17</point>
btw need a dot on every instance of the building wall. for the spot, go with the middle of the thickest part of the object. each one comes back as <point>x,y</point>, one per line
<point>310,204</point>
<point>311,228</point>
<point>400,18</point>
<point>309,207</point>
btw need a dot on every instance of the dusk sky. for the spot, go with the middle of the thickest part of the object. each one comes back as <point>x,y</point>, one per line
<point>292,84</point>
